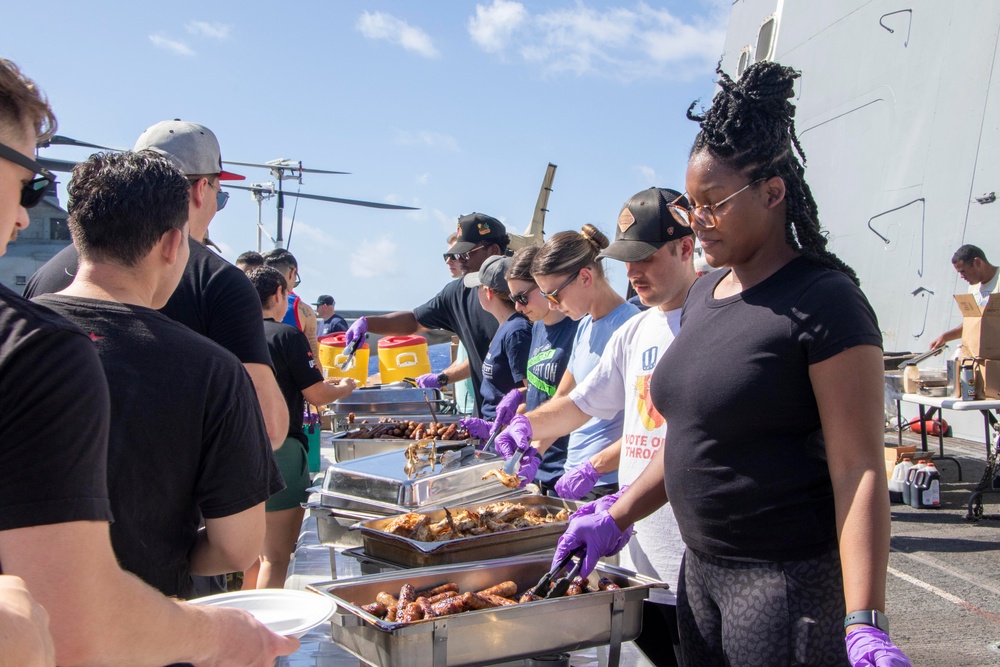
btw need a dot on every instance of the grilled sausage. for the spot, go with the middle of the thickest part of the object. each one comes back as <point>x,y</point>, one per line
<point>386,599</point>
<point>413,612</point>
<point>529,596</point>
<point>476,601</point>
<point>391,613</point>
<point>452,605</point>
<point>506,589</point>
<point>426,608</point>
<point>574,589</point>
<point>449,432</point>
<point>606,584</point>
<point>407,594</point>
<point>375,609</point>
<point>442,596</point>
<point>496,600</point>
<point>437,590</point>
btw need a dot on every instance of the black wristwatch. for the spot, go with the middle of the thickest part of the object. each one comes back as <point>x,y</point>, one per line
<point>871,617</point>
<point>442,379</point>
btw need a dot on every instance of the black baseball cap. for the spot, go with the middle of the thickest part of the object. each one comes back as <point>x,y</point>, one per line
<point>324,300</point>
<point>645,225</point>
<point>476,229</point>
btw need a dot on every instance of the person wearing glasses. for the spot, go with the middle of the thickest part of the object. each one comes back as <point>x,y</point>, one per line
<point>214,298</point>
<point>552,335</point>
<point>570,276</point>
<point>506,362</point>
<point>54,505</point>
<point>455,308</point>
<point>298,314</point>
<point>786,523</point>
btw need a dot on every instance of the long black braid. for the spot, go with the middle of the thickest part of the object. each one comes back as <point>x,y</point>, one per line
<point>751,127</point>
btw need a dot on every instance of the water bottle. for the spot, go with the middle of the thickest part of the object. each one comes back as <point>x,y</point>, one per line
<point>908,485</point>
<point>926,490</point>
<point>898,480</point>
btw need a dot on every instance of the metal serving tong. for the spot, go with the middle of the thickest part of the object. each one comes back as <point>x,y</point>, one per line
<point>350,351</point>
<point>561,585</point>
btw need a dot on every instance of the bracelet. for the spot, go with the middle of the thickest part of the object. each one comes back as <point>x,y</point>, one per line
<point>442,379</point>
<point>872,617</point>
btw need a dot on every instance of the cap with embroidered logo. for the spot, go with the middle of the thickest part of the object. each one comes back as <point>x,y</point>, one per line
<point>645,225</point>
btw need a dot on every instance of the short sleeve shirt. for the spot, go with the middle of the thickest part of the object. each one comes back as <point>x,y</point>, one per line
<point>745,461</point>
<point>294,368</point>
<point>506,363</point>
<point>54,416</point>
<point>456,308</point>
<point>550,349</point>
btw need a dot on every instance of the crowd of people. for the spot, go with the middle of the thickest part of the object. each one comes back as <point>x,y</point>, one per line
<point>114,488</point>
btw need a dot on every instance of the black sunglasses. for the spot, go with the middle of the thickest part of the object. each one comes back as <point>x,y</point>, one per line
<point>32,191</point>
<point>522,297</point>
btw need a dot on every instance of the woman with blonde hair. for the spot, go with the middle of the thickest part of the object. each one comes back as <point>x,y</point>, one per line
<point>570,275</point>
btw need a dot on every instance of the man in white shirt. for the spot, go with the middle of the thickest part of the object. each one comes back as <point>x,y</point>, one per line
<point>971,263</point>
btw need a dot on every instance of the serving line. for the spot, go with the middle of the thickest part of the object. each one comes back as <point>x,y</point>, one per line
<point>984,407</point>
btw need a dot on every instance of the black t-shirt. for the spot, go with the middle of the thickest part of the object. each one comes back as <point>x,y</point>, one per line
<point>456,308</point>
<point>334,324</point>
<point>187,436</point>
<point>54,413</point>
<point>214,298</point>
<point>547,361</point>
<point>745,463</point>
<point>294,368</point>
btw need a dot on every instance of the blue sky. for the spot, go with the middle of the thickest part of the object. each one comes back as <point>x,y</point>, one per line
<point>452,107</point>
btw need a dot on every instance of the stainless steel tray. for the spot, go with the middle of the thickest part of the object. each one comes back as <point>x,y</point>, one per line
<point>379,483</point>
<point>333,527</point>
<point>396,400</point>
<point>348,449</point>
<point>412,553</point>
<point>488,635</point>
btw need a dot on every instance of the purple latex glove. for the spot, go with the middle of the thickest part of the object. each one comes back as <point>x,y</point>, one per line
<point>507,408</point>
<point>529,466</point>
<point>516,436</point>
<point>868,646</point>
<point>477,428</point>
<point>356,332</point>
<point>428,381</point>
<point>578,482</point>
<point>597,533</point>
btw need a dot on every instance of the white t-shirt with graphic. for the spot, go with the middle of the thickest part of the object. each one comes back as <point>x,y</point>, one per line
<point>622,379</point>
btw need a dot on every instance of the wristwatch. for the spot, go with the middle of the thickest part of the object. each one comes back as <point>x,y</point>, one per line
<point>442,379</point>
<point>871,617</point>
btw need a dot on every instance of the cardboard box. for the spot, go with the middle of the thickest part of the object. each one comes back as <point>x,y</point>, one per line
<point>980,326</point>
<point>894,455</point>
<point>987,379</point>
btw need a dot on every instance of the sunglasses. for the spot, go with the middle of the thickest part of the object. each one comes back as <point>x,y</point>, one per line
<point>554,295</point>
<point>221,197</point>
<point>522,297</point>
<point>461,256</point>
<point>32,191</point>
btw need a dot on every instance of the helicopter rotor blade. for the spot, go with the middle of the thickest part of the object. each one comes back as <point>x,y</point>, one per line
<point>289,166</point>
<point>56,165</point>
<point>59,140</point>
<point>337,200</point>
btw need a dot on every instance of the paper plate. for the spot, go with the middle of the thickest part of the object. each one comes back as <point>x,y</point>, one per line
<point>285,612</point>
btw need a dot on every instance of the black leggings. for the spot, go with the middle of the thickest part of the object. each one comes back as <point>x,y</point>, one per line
<point>751,614</point>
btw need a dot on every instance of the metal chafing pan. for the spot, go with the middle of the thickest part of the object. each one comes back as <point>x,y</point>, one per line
<point>412,553</point>
<point>379,484</point>
<point>488,635</point>
<point>396,400</point>
<point>347,449</point>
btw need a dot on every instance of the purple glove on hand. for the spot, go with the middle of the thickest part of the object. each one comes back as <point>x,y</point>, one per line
<point>477,428</point>
<point>507,408</point>
<point>516,436</point>
<point>529,466</point>
<point>356,332</point>
<point>598,533</point>
<point>428,381</point>
<point>578,482</point>
<point>602,504</point>
<point>870,647</point>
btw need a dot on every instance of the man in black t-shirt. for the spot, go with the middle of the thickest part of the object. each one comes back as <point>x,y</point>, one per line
<point>455,308</point>
<point>54,507</point>
<point>213,298</point>
<point>186,438</point>
<point>327,318</point>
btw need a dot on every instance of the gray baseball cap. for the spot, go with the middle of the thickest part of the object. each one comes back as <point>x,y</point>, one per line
<point>192,148</point>
<point>491,274</point>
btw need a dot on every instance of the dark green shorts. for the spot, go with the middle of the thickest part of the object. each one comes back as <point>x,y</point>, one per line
<point>291,460</point>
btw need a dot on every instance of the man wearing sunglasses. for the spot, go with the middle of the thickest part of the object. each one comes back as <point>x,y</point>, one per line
<point>214,298</point>
<point>54,507</point>
<point>456,308</point>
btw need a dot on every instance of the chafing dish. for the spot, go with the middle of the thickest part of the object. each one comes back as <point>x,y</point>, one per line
<point>347,449</point>
<point>413,553</point>
<point>380,484</point>
<point>396,400</point>
<point>488,635</point>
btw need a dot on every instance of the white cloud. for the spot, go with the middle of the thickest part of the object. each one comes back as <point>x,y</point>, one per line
<point>378,258</point>
<point>648,174</point>
<point>173,45</point>
<point>305,234</point>
<point>211,30</point>
<point>493,25</point>
<point>378,25</point>
<point>424,178</point>
<point>427,138</point>
<point>624,43</point>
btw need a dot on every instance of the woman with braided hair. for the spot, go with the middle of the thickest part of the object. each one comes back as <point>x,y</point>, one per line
<point>773,395</point>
